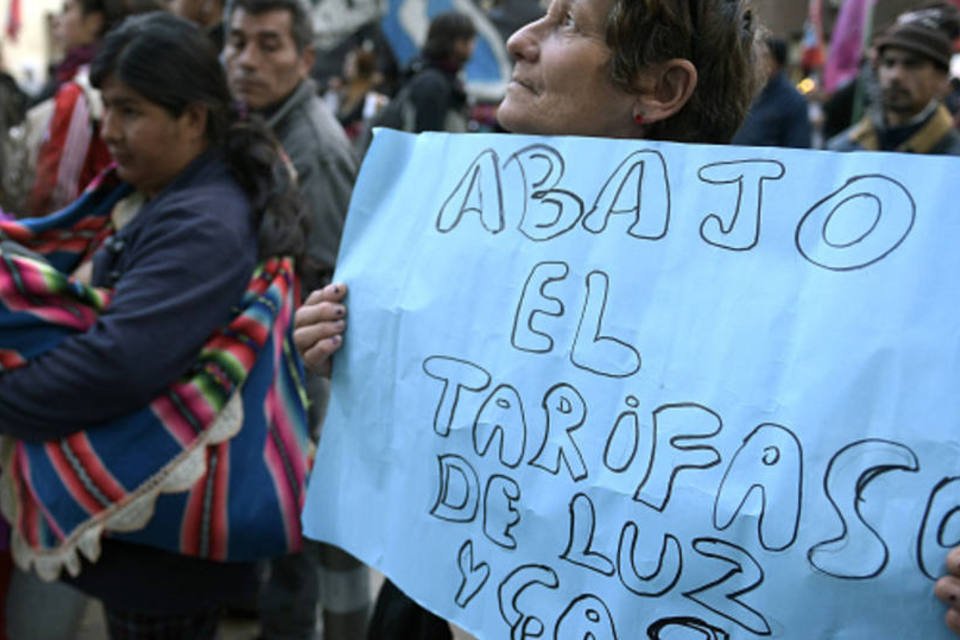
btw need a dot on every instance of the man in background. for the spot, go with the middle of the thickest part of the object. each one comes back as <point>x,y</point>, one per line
<point>269,53</point>
<point>912,67</point>
<point>779,117</point>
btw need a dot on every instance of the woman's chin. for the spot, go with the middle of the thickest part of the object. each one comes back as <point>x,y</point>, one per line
<point>513,119</point>
<point>124,173</point>
<point>506,126</point>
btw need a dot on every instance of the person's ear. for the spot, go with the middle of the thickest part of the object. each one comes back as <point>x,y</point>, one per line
<point>194,120</point>
<point>943,86</point>
<point>93,25</point>
<point>664,89</point>
<point>307,58</point>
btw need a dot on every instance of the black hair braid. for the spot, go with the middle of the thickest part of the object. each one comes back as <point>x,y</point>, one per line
<point>258,163</point>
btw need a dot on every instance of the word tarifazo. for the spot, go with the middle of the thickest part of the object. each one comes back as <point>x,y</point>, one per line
<point>769,461</point>
<point>851,228</point>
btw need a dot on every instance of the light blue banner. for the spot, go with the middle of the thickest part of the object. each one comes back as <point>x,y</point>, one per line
<point>648,390</point>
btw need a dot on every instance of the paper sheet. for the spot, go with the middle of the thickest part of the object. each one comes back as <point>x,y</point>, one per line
<point>648,390</point>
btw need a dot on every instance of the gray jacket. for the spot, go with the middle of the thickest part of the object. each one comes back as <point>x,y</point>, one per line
<point>326,170</point>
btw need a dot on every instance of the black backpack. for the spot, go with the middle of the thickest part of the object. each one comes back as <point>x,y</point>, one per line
<point>399,113</point>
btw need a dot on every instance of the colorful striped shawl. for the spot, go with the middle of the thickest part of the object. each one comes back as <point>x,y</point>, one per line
<point>214,467</point>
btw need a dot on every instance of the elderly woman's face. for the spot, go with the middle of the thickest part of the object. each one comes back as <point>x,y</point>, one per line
<point>561,80</point>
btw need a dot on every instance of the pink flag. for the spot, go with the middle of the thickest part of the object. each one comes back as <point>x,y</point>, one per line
<point>846,46</point>
<point>13,20</point>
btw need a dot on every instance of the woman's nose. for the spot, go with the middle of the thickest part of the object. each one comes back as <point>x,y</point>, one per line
<point>108,130</point>
<point>524,43</point>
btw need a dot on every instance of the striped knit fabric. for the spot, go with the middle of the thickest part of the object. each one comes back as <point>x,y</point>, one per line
<point>214,467</point>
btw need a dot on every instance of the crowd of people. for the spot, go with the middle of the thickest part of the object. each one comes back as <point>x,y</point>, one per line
<point>173,134</point>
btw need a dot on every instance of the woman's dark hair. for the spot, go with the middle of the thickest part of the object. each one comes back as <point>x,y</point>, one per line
<point>172,63</point>
<point>777,48</point>
<point>444,30</point>
<point>717,36</point>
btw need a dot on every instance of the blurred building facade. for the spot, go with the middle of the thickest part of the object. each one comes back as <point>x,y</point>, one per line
<point>785,17</point>
<point>28,55</point>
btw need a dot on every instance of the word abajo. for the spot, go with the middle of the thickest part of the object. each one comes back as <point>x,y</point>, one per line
<point>834,233</point>
<point>771,455</point>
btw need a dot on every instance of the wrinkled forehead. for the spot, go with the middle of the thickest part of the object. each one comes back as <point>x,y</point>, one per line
<point>600,8</point>
<point>274,23</point>
<point>114,91</point>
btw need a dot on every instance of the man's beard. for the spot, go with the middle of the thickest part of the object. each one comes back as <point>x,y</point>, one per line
<point>899,101</point>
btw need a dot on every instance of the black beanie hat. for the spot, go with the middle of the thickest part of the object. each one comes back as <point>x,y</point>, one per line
<point>928,32</point>
<point>916,37</point>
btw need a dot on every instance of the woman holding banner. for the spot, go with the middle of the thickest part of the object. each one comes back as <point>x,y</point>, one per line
<point>660,69</point>
<point>673,70</point>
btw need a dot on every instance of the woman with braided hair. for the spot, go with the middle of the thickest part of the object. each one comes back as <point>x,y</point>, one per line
<point>157,411</point>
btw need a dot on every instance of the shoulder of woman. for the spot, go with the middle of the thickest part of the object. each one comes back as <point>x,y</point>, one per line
<point>193,231</point>
<point>208,196</point>
<point>208,176</point>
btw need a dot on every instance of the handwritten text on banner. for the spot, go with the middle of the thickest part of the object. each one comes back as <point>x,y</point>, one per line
<point>633,389</point>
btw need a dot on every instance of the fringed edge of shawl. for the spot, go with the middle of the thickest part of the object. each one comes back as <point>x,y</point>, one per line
<point>132,514</point>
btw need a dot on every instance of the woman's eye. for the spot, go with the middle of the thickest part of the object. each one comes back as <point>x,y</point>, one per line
<point>568,20</point>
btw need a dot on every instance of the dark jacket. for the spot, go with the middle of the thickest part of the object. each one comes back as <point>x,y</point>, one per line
<point>777,118</point>
<point>432,98</point>
<point>177,269</point>
<point>326,170</point>
<point>439,100</point>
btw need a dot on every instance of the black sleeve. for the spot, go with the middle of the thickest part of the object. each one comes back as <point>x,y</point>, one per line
<point>431,98</point>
